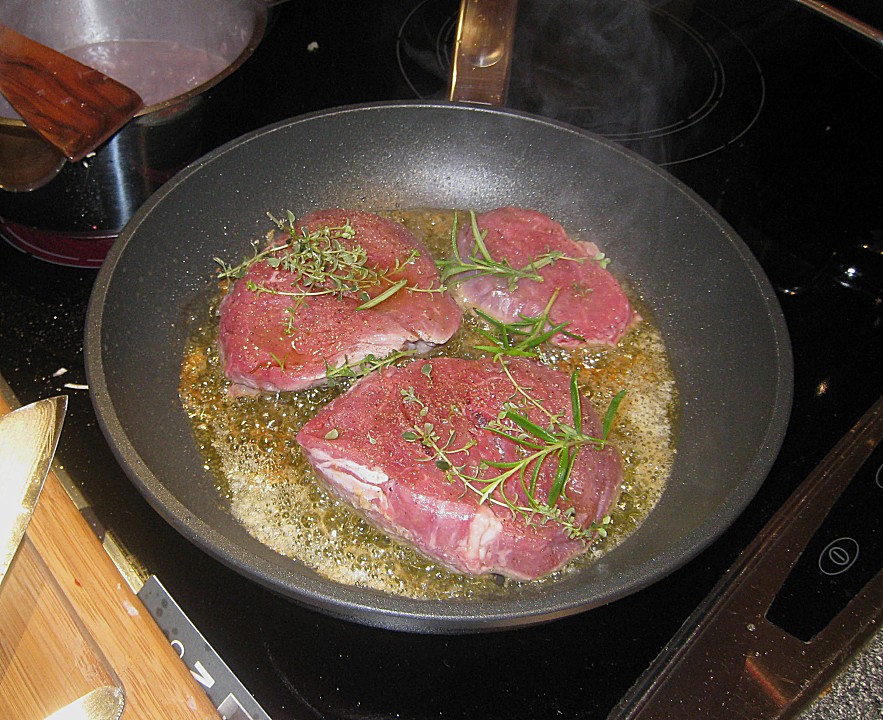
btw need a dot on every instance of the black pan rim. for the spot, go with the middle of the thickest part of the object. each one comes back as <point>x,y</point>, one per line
<point>395,612</point>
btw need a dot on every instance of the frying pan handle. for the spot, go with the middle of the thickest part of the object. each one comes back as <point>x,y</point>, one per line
<point>869,32</point>
<point>483,51</point>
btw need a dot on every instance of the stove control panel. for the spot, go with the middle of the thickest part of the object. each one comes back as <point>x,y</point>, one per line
<point>843,555</point>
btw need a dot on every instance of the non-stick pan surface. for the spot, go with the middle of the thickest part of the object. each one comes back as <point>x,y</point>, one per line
<point>725,332</point>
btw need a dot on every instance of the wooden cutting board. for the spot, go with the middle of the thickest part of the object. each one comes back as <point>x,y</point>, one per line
<point>70,623</point>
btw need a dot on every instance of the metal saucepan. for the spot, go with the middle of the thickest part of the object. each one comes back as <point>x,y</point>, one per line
<point>725,331</point>
<point>70,212</point>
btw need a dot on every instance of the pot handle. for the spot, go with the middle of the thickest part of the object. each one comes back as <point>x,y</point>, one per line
<point>27,162</point>
<point>869,32</point>
<point>483,51</point>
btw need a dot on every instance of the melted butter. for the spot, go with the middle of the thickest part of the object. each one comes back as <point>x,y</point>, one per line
<point>248,444</point>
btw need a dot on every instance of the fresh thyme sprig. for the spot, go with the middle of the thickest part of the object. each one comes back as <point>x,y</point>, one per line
<point>456,269</point>
<point>523,337</point>
<point>325,261</point>
<point>306,253</point>
<point>559,443</point>
<point>348,372</point>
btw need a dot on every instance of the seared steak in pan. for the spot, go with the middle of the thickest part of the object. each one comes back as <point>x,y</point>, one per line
<point>410,448</point>
<point>586,296</point>
<point>281,329</point>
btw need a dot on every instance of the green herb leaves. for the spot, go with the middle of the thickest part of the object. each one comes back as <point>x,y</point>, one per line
<point>348,372</point>
<point>456,268</point>
<point>522,338</point>
<point>516,484</point>
<point>326,261</point>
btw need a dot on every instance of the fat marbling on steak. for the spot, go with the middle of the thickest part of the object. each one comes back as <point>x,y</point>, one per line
<point>363,445</point>
<point>588,297</point>
<point>276,333</point>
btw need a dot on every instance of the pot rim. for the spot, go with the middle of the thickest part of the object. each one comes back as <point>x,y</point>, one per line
<point>257,35</point>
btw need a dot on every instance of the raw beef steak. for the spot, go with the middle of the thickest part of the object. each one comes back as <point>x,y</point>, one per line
<point>365,446</point>
<point>277,333</point>
<point>589,298</point>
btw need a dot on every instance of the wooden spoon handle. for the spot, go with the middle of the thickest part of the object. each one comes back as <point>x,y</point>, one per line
<point>73,107</point>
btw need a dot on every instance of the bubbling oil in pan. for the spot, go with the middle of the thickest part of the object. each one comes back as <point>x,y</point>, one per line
<point>248,443</point>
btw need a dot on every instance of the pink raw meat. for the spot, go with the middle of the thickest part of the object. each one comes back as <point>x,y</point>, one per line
<point>358,443</point>
<point>270,342</point>
<point>589,298</point>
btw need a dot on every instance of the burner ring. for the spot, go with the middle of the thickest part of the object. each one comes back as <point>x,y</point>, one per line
<point>424,47</point>
<point>672,82</point>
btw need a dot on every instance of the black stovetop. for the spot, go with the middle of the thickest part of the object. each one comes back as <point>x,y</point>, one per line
<point>771,113</point>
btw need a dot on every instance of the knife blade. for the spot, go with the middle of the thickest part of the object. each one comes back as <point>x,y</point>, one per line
<point>102,703</point>
<point>28,438</point>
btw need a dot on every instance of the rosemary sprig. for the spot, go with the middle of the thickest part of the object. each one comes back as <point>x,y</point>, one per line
<point>325,261</point>
<point>456,269</point>
<point>523,337</point>
<point>559,442</point>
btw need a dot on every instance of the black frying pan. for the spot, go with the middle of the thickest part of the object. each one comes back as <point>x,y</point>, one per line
<point>724,329</point>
